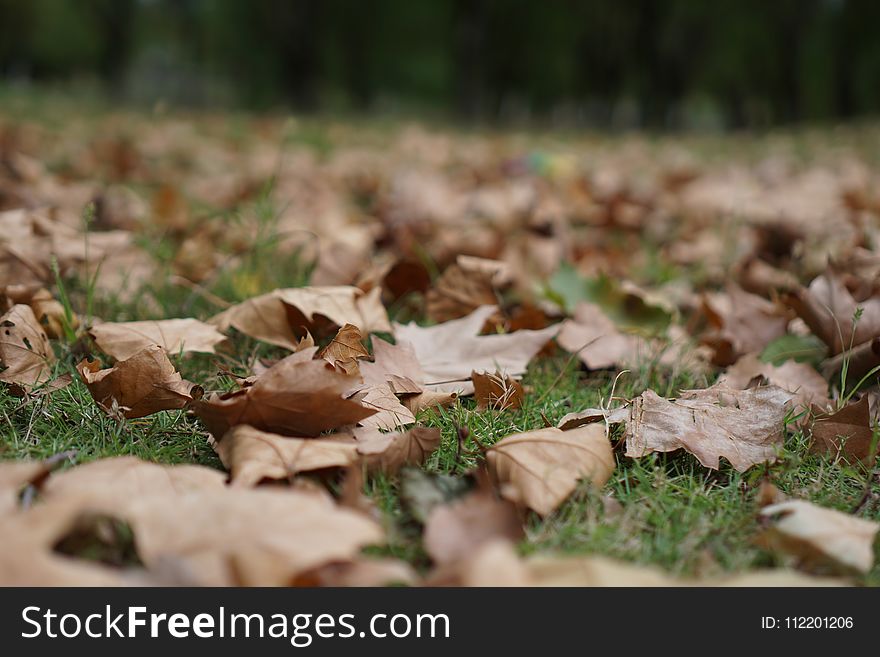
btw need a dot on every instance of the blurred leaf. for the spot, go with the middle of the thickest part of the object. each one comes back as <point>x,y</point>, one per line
<point>800,348</point>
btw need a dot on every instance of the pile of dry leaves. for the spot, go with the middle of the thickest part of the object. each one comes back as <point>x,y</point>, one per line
<point>507,255</point>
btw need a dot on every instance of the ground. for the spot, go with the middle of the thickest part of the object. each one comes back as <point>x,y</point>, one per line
<point>663,509</point>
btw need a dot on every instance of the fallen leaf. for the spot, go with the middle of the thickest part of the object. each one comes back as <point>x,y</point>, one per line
<point>122,340</point>
<point>360,572</point>
<point>298,396</point>
<point>454,531</point>
<point>820,537</point>
<point>540,469</point>
<point>25,354</point>
<point>496,391</point>
<point>252,455</point>
<point>143,384</point>
<point>847,433</point>
<point>743,426</point>
<point>449,352</point>
<point>389,452</point>
<point>390,413</point>
<point>458,292</point>
<point>278,316</point>
<point>596,339</point>
<point>807,386</point>
<point>345,349</point>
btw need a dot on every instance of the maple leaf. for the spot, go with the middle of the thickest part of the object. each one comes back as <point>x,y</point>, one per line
<point>143,384</point>
<point>122,340</point>
<point>447,353</point>
<point>297,396</point>
<point>277,316</point>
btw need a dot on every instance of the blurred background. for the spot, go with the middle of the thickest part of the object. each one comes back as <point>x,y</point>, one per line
<point>660,64</point>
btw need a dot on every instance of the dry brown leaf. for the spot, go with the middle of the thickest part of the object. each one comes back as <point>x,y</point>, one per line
<point>427,400</point>
<point>458,292</point>
<point>820,537</point>
<point>741,323</point>
<point>25,354</point>
<point>847,433</point>
<point>185,515</point>
<point>828,308</point>
<point>252,455</point>
<point>496,391</point>
<point>143,384</point>
<point>345,349</point>
<point>396,364</point>
<point>597,340</point>
<point>806,384</point>
<point>390,413</point>
<point>455,531</point>
<point>122,340</point>
<point>388,452</point>
<point>743,426</point>
<point>279,316</point>
<point>47,309</point>
<point>298,396</point>
<point>449,352</point>
<point>540,469</point>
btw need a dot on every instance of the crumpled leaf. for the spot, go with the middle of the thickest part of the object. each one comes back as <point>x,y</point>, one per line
<point>297,396</point>
<point>743,426</point>
<point>389,452</point>
<point>143,384</point>
<point>449,352</point>
<point>820,537</point>
<point>540,469</point>
<point>25,354</point>
<point>252,455</point>
<point>278,317</point>
<point>847,432</point>
<point>122,340</point>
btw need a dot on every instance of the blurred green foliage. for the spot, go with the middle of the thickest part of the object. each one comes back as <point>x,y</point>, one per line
<point>654,63</point>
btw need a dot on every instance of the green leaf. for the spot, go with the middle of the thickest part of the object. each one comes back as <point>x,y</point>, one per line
<point>800,348</point>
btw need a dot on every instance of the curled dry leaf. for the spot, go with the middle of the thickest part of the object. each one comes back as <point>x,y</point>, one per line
<point>847,432</point>
<point>820,537</point>
<point>807,386</point>
<point>743,426</point>
<point>25,354</point>
<point>455,531</point>
<point>185,515</point>
<point>345,349</point>
<point>252,455</point>
<point>540,469</point>
<point>122,340</point>
<point>496,391</point>
<point>829,308</point>
<point>47,309</point>
<point>298,396</point>
<point>143,384</point>
<point>389,452</point>
<point>279,316</point>
<point>449,352</point>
